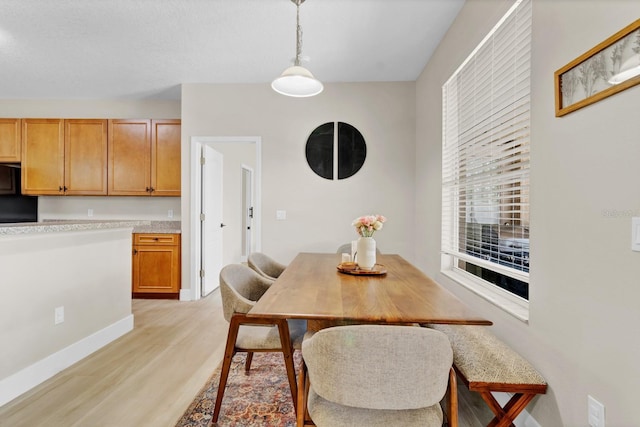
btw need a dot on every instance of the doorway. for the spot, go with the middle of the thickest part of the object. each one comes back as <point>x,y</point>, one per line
<point>240,203</point>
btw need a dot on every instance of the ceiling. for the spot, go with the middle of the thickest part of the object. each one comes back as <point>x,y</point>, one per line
<point>144,49</point>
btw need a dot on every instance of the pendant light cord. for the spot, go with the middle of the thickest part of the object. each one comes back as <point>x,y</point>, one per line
<point>298,35</point>
<point>297,81</point>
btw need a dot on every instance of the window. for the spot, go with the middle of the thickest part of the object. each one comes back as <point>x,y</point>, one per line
<point>485,161</point>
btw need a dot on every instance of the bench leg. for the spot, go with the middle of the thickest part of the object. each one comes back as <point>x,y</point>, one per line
<point>504,416</point>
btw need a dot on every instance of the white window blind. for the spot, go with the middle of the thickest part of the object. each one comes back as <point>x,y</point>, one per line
<point>485,158</point>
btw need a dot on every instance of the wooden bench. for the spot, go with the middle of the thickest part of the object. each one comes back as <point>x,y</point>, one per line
<point>485,364</point>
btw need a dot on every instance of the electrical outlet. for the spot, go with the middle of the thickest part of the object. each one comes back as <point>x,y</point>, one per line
<point>595,412</point>
<point>89,212</point>
<point>170,213</point>
<point>58,315</point>
<point>281,215</point>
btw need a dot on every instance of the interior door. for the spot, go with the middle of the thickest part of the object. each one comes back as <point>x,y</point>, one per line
<point>247,212</point>
<point>211,223</point>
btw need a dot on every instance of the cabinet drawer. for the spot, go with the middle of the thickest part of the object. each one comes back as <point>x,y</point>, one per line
<point>156,239</point>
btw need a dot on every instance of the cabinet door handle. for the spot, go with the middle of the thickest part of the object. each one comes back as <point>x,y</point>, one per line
<point>135,252</point>
<point>60,188</point>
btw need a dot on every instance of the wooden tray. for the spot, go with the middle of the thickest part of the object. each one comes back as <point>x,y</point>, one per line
<point>377,270</point>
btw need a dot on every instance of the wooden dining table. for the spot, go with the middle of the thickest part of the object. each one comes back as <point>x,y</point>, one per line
<point>312,288</point>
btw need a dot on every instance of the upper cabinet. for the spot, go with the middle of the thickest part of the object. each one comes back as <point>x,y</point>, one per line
<point>64,157</point>
<point>10,140</point>
<point>165,157</point>
<point>129,157</point>
<point>42,156</point>
<point>144,157</point>
<point>85,157</point>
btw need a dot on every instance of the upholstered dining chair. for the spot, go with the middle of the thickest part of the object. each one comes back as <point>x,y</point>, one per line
<point>376,375</point>
<point>265,265</point>
<point>240,288</point>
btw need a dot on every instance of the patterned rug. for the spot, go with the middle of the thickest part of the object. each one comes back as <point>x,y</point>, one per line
<point>262,398</point>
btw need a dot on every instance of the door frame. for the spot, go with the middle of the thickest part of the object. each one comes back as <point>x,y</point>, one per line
<point>251,172</point>
<point>196,203</point>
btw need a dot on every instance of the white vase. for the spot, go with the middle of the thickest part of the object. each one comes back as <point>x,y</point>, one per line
<point>366,253</point>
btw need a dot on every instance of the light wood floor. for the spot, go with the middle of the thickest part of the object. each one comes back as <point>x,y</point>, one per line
<point>149,376</point>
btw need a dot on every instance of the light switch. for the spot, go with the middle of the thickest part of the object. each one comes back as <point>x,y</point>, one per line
<point>635,234</point>
<point>281,215</point>
<point>595,412</point>
<point>58,315</point>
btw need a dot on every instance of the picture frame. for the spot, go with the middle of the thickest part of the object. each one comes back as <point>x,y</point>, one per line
<point>610,67</point>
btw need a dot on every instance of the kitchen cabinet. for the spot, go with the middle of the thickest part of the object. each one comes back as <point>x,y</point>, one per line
<point>166,140</point>
<point>10,144</point>
<point>64,157</point>
<point>156,264</point>
<point>7,181</point>
<point>144,157</point>
<point>42,156</point>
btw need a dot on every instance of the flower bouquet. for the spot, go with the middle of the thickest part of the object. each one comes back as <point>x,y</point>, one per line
<point>366,245</point>
<point>368,224</point>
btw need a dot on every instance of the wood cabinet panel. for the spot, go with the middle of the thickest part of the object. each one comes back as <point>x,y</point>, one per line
<point>165,157</point>
<point>10,140</point>
<point>42,156</point>
<point>64,157</point>
<point>119,157</point>
<point>156,264</point>
<point>129,157</point>
<point>155,239</point>
<point>86,157</point>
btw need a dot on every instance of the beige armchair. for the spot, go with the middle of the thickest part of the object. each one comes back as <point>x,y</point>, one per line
<point>376,375</point>
<point>265,265</point>
<point>240,288</point>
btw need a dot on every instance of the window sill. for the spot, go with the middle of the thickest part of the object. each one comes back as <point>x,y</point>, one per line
<point>516,307</point>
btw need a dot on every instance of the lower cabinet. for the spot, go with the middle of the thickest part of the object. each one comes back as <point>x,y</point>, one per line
<point>156,265</point>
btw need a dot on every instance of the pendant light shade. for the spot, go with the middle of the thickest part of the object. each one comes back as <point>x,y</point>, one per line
<point>297,81</point>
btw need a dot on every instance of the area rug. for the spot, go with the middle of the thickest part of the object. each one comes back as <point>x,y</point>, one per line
<point>262,398</point>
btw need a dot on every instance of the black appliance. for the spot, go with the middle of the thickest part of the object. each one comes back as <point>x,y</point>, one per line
<point>14,207</point>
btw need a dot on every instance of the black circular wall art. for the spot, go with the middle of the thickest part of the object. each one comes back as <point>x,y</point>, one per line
<point>329,139</point>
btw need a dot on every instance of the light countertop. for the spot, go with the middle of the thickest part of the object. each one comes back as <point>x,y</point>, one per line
<point>50,226</point>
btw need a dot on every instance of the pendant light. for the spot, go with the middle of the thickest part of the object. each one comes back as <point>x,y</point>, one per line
<point>297,81</point>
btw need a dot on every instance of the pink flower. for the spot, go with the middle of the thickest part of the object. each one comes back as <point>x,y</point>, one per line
<point>366,225</point>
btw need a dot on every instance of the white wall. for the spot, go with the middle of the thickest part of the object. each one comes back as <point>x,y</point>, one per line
<point>109,207</point>
<point>89,109</point>
<point>319,211</point>
<point>86,272</point>
<point>584,278</point>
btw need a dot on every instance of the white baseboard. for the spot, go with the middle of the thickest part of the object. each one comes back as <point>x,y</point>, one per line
<point>29,377</point>
<point>186,295</point>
